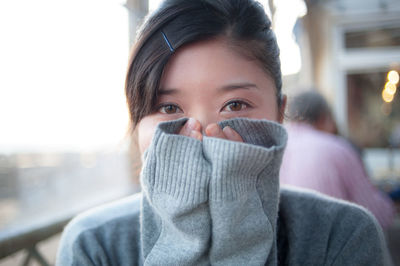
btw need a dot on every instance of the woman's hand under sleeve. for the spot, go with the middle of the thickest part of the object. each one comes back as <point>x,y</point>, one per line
<point>193,128</point>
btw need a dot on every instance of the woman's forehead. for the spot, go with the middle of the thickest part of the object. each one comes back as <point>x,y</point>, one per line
<point>213,62</point>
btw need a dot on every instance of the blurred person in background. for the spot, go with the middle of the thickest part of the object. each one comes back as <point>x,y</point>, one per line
<point>316,158</point>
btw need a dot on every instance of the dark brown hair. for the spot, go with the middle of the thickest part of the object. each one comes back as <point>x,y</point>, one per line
<point>180,22</point>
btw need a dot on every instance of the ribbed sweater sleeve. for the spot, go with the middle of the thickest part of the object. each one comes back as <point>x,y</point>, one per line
<point>175,218</point>
<point>213,201</point>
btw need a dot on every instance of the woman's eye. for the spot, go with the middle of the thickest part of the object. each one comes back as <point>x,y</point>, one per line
<point>169,109</point>
<point>235,106</point>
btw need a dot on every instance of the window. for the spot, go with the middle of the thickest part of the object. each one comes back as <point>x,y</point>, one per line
<point>372,122</point>
<point>373,38</point>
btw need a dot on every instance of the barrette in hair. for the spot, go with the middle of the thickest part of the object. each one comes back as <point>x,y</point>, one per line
<point>167,41</point>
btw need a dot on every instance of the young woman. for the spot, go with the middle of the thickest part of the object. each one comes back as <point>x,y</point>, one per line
<point>204,94</point>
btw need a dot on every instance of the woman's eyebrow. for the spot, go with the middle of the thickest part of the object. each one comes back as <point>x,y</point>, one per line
<point>164,91</point>
<point>236,86</point>
<point>229,87</point>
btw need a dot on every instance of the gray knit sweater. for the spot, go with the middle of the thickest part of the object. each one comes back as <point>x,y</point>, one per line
<point>218,202</point>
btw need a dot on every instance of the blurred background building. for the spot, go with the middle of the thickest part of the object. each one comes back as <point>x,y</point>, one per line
<point>350,51</point>
<point>63,119</point>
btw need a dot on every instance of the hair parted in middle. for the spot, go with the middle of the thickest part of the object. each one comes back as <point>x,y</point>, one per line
<point>242,23</point>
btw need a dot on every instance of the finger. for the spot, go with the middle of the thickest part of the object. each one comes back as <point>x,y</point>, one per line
<point>191,125</point>
<point>213,130</point>
<point>232,134</point>
<point>185,131</point>
<point>196,134</point>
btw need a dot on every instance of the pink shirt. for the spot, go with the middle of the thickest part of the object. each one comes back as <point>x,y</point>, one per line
<point>328,164</point>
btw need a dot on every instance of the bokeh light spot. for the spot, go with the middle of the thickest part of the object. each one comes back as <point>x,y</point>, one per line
<point>390,88</point>
<point>393,77</point>
<point>387,97</point>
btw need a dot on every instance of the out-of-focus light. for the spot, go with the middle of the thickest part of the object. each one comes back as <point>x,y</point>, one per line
<point>393,77</point>
<point>153,4</point>
<point>387,97</point>
<point>286,14</point>
<point>390,88</point>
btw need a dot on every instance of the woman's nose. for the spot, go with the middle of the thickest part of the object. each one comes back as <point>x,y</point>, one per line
<point>205,119</point>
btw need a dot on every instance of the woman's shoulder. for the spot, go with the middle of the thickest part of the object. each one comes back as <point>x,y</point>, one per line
<point>307,208</point>
<point>118,211</point>
<point>320,230</point>
<point>105,227</point>
<point>302,201</point>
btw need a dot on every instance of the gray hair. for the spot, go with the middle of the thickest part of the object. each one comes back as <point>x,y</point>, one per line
<point>308,107</point>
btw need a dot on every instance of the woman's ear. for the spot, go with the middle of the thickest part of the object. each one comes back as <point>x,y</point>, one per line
<point>282,108</point>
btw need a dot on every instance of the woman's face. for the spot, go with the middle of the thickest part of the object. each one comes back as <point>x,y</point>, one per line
<point>210,82</point>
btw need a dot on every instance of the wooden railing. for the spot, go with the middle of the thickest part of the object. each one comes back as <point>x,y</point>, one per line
<point>27,235</point>
<point>27,238</point>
